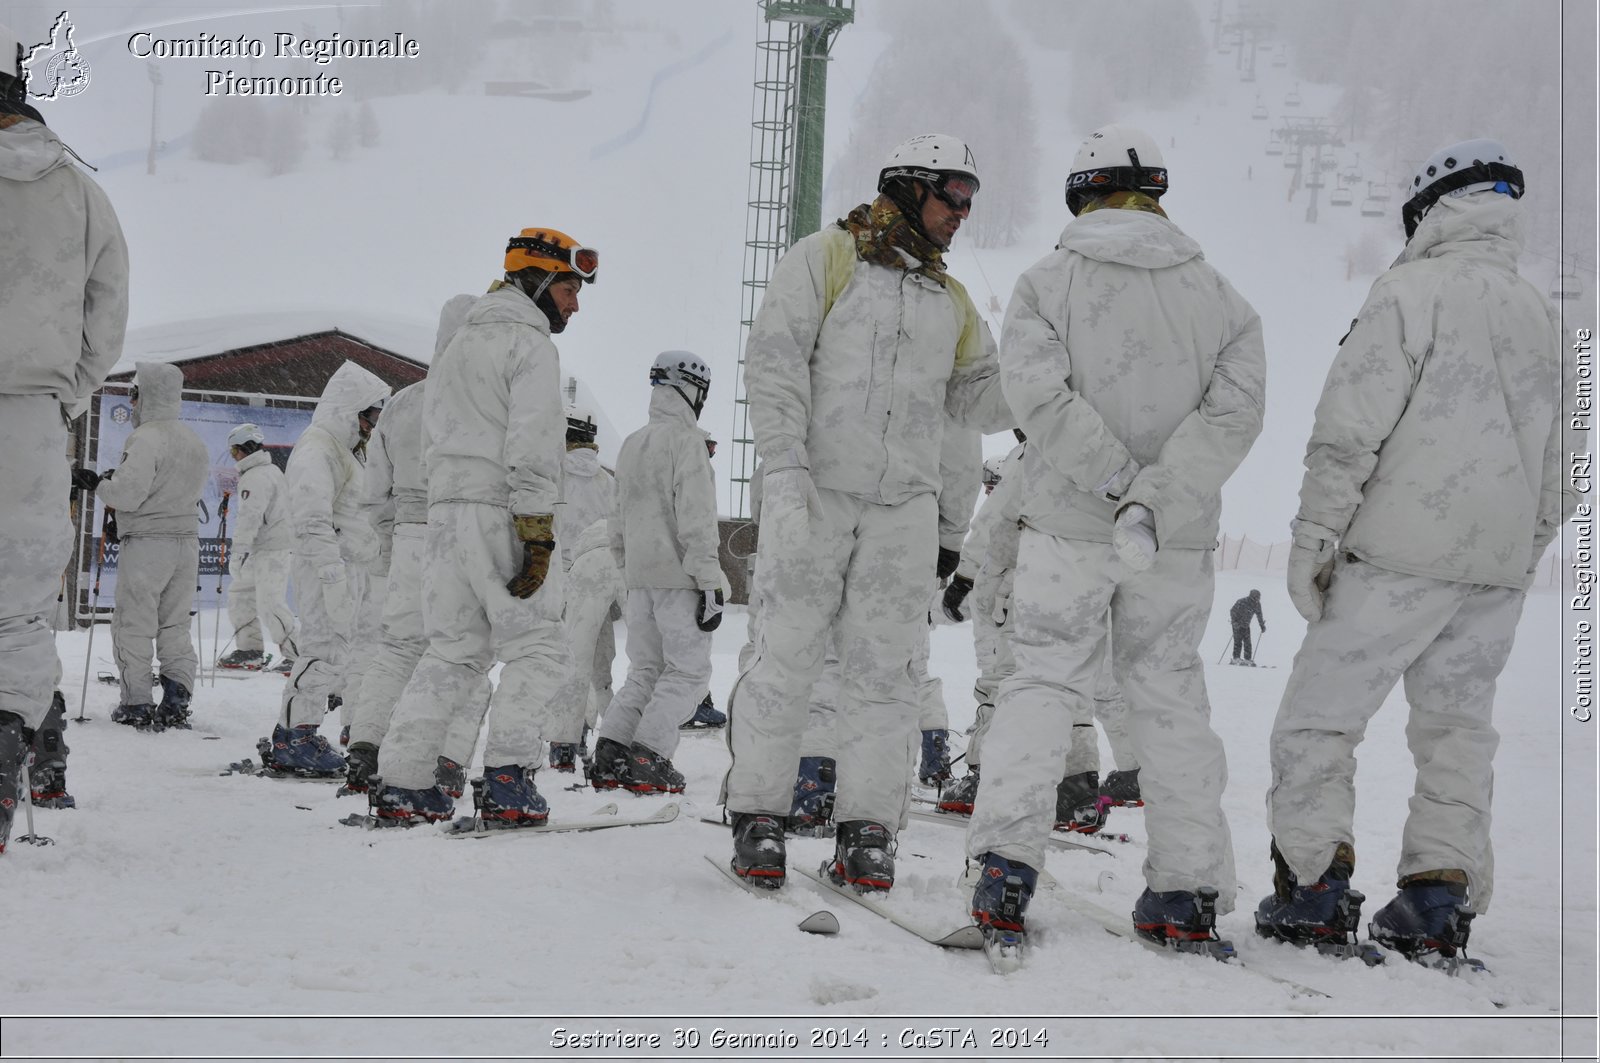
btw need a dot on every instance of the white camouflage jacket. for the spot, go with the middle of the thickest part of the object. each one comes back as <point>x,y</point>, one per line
<point>1124,343</point>
<point>663,528</point>
<point>157,485</point>
<point>64,299</point>
<point>1437,444</point>
<point>976,547</point>
<point>494,422</point>
<point>327,507</point>
<point>852,370</point>
<point>588,493</point>
<point>262,522</point>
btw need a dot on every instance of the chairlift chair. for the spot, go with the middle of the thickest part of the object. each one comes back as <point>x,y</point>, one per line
<point>1340,197</point>
<point>1292,99</point>
<point>1259,113</point>
<point>1371,208</point>
<point>1273,147</point>
<point>1567,286</point>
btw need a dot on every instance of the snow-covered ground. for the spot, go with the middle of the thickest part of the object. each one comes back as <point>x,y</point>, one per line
<point>173,891</point>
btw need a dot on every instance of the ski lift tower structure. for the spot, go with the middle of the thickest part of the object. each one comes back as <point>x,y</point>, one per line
<point>1249,28</point>
<point>785,190</point>
<point>1315,134</point>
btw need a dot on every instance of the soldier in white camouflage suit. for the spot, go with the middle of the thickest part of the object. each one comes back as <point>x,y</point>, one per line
<point>64,306</point>
<point>1434,481</point>
<point>1138,374</point>
<point>863,347</point>
<point>259,556</point>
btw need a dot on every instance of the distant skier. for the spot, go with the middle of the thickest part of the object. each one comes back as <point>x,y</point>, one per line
<point>1138,374</point>
<point>1434,481</point>
<point>663,533</point>
<point>64,307</point>
<point>156,490</point>
<point>258,592</point>
<point>1239,616</point>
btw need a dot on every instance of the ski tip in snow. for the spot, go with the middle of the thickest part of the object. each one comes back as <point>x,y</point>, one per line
<point>823,922</point>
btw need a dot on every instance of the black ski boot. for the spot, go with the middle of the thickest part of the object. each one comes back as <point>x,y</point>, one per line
<point>360,765</point>
<point>812,811</point>
<point>173,712</point>
<point>1181,921</point>
<point>244,660</point>
<point>863,856</point>
<point>758,849</point>
<point>1122,788</point>
<point>961,795</point>
<point>651,773</point>
<point>1428,922</point>
<point>1080,807</point>
<point>140,717</point>
<point>609,768</point>
<point>48,776</point>
<point>450,778</point>
<point>12,750</point>
<point>1326,914</point>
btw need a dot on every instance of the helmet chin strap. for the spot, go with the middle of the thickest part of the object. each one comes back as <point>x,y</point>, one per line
<point>695,406</point>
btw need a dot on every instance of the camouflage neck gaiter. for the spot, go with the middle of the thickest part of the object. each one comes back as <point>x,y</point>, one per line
<point>881,231</point>
<point>1127,200</point>
<point>583,446</point>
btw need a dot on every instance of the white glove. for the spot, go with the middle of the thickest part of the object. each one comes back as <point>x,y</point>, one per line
<point>1310,570</point>
<point>789,505</point>
<point>336,595</point>
<point>1134,536</point>
<point>1117,483</point>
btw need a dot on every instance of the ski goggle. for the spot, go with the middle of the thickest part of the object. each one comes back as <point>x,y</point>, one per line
<point>133,393</point>
<point>956,190</point>
<point>584,261</point>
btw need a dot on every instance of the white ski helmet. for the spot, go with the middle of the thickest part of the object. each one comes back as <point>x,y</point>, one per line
<point>1115,158</point>
<point>10,61</point>
<point>580,425</point>
<point>939,160</point>
<point>246,433</point>
<point>991,472</point>
<point>681,369</point>
<point>1471,165</point>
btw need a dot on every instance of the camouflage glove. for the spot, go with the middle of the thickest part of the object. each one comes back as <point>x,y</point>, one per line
<point>1310,572</point>
<point>538,535</point>
<point>1134,537</point>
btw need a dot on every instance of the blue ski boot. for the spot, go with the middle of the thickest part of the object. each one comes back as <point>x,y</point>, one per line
<point>1181,921</point>
<point>812,811</point>
<point>173,711</point>
<point>1325,914</point>
<point>394,806</point>
<point>300,751</point>
<point>507,799</point>
<point>935,767</point>
<point>705,716</point>
<point>1428,921</point>
<point>1000,900</point>
<point>450,778</point>
<point>564,757</point>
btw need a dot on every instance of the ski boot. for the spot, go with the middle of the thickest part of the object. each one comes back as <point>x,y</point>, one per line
<point>863,856</point>
<point>1325,914</point>
<point>1181,921</point>
<point>610,767</point>
<point>1428,922</point>
<point>244,661</point>
<point>140,717</point>
<point>344,736</point>
<point>12,750</point>
<point>564,757</point>
<point>1122,788</point>
<point>360,765</point>
<point>335,703</point>
<point>1080,806</point>
<point>935,767</point>
<point>48,776</point>
<point>450,778</point>
<point>284,667</point>
<point>961,795</point>
<point>173,712</point>
<point>300,751</point>
<point>705,716</point>
<point>651,773</point>
<point>998,903</point>
<point>758,850</point>
<point>507,799</point>
<point>394,806</point>
<point>812,811</point>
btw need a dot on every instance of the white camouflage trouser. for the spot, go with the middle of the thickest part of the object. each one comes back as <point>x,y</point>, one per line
<point>155,591</point>
<point>1449,642</point>
<point>472,621</point>
<point>669,665</point>
<point>862,573</point>
<point>258,602</point>
<point>35,545</point>
<point>400,646</point>
<point>366,631</point>
<point>1064,590</point>
<point>323,646</point>
<point>592,643</point>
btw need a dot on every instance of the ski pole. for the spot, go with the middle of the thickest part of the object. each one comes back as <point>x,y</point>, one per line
<point>94,613</point>
<point>222,564</point>
<point>27,797</point>
<point>1226,642</point>
<point>1259,640</point>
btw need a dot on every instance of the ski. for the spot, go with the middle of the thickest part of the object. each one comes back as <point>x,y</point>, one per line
<point>1123,928</point>
<point>819,922</point>
<point>472,826</point>
<point>1004,949</point>
<point>966,937</point>
<point>250,767</point>
<point>952,819</point>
